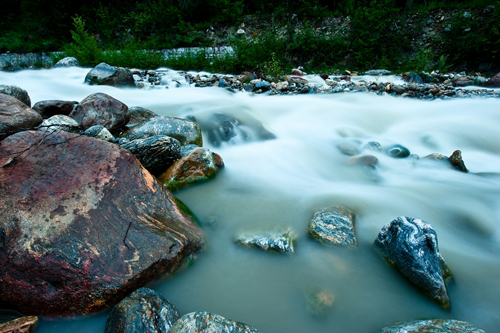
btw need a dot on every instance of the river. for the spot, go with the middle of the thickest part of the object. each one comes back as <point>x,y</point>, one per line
<point>282,182</point>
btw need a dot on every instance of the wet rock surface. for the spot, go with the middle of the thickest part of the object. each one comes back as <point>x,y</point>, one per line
<point>281,241</point>
<point>51,108</point>
<point>104,74</point>
<point>186,131</point>
<point>333,226</point>
<point>196,165</point>
<point>15,116</point>
<point>411,246</point>
<point>83,224</point>
<point>204,322</point>
<point>432,325</point>
<point>16,92</point>
<point>137,115</point>
<point>20,325</point>
<point>99,132</point>
<point>156,153</point>
<point>143,311</point>
<point>60,123</point>
<point>398,151</point>
<point>100,109</point>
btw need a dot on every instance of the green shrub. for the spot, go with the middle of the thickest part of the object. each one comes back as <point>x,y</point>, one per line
<point>85,47</point>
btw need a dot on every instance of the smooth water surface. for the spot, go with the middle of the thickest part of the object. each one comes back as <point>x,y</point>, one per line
<point>282,182</point>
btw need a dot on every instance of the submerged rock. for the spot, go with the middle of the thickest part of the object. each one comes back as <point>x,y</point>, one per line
<point>100,109</point>
<point>51,108</point>
<point>365,160</point>
<point>319,301</point>
<point>83,224</point>
<point>186,131</point>
<point>411,245</point>
<point>398,151</point>
<point>16,116</point>
<point>156,153</point>
<point>432,325</point>
<point>333,226</point>
<point>204,322</point>
<point>60,123</point>
<point>280,241</point>
<point>143,311</point>
<point>104,74</point>
<point>348,148</point>
<point>372,145</point>
<point>20,325</point>
<point>16,92</point>
<point>196,165</point>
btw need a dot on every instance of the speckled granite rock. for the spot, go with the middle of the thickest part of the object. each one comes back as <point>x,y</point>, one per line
<point>204,322</point>
<point>60,123</point>
<point>333,226</point>
<point>281,241</point>
<point>99,132</point>
<point>156,153</point>
<point>143,311</point>
<point>186,131</point>
<point>16,92</point>
<point>20,325</point>
<point>432,326</point>
<point>411,245</point>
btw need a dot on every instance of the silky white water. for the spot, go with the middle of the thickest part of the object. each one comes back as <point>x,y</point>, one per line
<point>282,182</point>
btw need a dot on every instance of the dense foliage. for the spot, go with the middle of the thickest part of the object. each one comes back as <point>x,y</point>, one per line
<point>376,37</point>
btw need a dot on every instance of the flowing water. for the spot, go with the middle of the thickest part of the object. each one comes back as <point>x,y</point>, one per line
<point>282,182</point>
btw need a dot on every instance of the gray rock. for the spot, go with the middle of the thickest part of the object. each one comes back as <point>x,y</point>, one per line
<point>51,108</point>
<point>60,123</point>
<point>378,72</point>
<point>457,162</point>
<point>348,148</point>
<point>365,160</point>
<point>104,74</point>
<point>280,241</point>
<point>100,109</point>
<point>414,78</point>
<point>67,62</point>
<point>264,85</point>
<point>156,153</point>
<point>398,151</point>
<point>436,157</point>
<point>372,145</point>
<point>204,322</point>
<point>398,89</point>
<point>138,115</point>
<point>187,132</point>
<point>99,132</point>
<point>319,301</point>
<point>333,226</point>
<point>432,325</point>
<point>411,245</point>
<point>16,92</point>
<point>143,311</point>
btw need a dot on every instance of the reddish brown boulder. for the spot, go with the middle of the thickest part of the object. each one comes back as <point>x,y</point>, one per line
<point>20,325</point>
<point>196,165</point>
<point>100,109</point>
<point>48,109</point>
<point>15,116</point>
<point>82,224</point>
<point>494,81</point>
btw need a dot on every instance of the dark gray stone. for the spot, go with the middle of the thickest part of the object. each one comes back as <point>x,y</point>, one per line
<point>264,85</point>
<point>16,92</point>
<point>67,62</point>
<point>333,226</point>
<point>457,162</point>
<point>187,132</point>
<point>99,132</point>
<point>432,325</point>
<point>60,123</point>
<point>48,109</point>
<point>414,78</point>
<point>104,74</point>
<point>411,245</point>
<point>143,311</point>
<point>280,241</point>
<point>398,151</point>
<point>204,322</point>
<point>156,153</point>
<point>378,72</point>
<point>138,115</point>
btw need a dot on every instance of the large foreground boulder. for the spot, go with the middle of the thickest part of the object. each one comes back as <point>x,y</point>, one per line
<point>100,109</point>
<point>104,74</point>
<point>16,115</point>
<point>411,245</point>
<point>204,322</point>
<point>82,224</point>
<point>143,311</point>
<point>16,92</point>
<point>432,325</point>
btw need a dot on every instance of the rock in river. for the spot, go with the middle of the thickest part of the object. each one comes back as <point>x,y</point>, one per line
<point>104,74</point>
<point>411,245</point>
<point>277,240</point>
<point>16,116</point>
<point>83,224</point>
<point>333,226</point>
<point>432,325</point>
<point>204,322</point>
<point>20,325</point>
<point>186,131</point>
<point>100,109</point>
<point>398,151</point>
<point>143,311</point>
